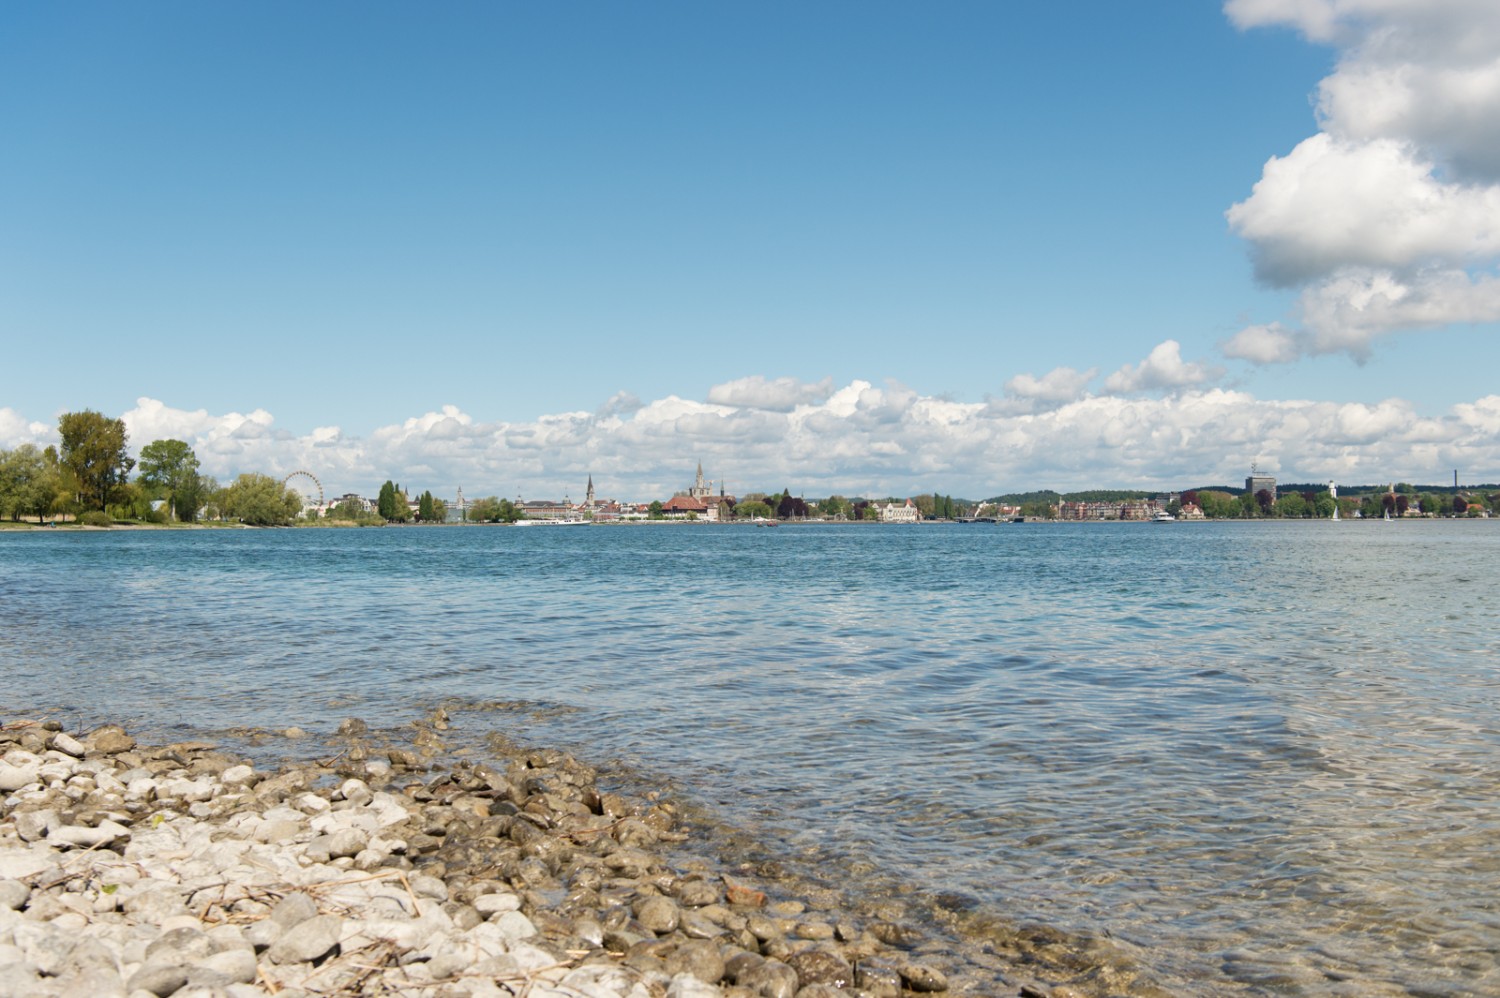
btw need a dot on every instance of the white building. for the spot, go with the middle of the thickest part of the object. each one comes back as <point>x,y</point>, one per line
<point>893,512</point>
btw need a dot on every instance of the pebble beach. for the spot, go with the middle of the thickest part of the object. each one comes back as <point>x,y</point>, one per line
<point>138,870</point>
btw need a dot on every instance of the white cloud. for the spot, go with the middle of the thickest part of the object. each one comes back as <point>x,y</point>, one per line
<point>1061,384</point>
<point>1272,343</point>
<point>780,395</point>
<point>16,429</point>
<point>1163,369</point>
<point>1332,204</point>
<point>860,439</point>
<point>1389,218</point>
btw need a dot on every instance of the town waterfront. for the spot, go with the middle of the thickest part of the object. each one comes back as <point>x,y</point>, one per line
<point>1262,757</point>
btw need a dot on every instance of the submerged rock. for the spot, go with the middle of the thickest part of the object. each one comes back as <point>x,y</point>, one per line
<point>128,869</point>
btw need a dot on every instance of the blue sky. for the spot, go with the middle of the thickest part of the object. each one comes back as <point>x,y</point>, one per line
<point>632,237</point>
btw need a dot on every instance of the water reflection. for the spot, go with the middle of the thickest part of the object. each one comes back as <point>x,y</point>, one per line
<point>1266,751</point>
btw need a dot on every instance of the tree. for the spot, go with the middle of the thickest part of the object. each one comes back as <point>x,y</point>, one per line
<point>424,507</point>
<point>1460,505</point>
<point>655,510</point>
<point>833,507</point>
<point>493,510</point>
<point>169,470</point>
<point>1291,505</point>
<point>753,509</point>
<point>385,504</point>
<point>93,451</point>
<point>1264,500</point>
<point>789,506</point>
<point>261,500</point>
<point>439,511</point>
<point>29,481</point>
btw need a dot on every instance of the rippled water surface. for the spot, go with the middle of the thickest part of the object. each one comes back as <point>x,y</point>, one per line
<point>1268,752</point>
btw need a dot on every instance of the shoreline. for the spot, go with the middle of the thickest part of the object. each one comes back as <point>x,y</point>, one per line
<point>488,871</point>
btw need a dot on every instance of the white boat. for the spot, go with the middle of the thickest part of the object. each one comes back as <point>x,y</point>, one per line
<point>1164,517</point>
<point>552,523</point>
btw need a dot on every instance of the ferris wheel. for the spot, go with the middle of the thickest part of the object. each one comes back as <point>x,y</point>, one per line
<point>286,482</point>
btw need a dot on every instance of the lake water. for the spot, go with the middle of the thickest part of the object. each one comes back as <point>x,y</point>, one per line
<point>1268,753</point>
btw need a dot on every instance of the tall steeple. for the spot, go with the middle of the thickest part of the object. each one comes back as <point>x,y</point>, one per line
<point>589,496</point>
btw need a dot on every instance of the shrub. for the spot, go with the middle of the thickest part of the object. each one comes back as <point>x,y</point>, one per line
<point>96,518</point>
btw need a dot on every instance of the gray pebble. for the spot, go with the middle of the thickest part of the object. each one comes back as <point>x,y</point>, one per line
<point>157,979</point>
<point>293,910</point>
<point>307,941</point>
<point>13,894</point>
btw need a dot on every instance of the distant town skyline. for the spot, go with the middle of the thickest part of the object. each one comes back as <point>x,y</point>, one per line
<point>859,248</point>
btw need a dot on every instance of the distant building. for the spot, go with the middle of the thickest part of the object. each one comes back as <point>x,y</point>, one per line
<point>546,509</point>
<point>689,507</point>
<point>892,512</point>
<point>1256,482</point>
<point>701,491</point>
<point>1126,509</point>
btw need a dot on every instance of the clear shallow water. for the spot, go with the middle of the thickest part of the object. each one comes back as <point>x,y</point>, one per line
<point>1268,752</point>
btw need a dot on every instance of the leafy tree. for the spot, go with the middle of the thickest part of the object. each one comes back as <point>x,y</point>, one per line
<point>385,504</point>
<point>93,450</point>
<point>133,502</point>
<point>261,500</point>
<point>493,510</point>
<point>1190,498</point>
<point>1324,505</point>
<point>655,510</point>
<point>834,506</point>
<point>1265,500</point>
<point>29,481</point>
<point>1403,503</point>
<point>424,507</point>
<point>752,509</point>
<point>169,470</point>
<point>1291,505</point>
<point>402,511</point>
<point>439,511</point>
<point>1460,505</point>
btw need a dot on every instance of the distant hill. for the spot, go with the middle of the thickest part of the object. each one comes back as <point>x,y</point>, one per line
<point>1022,498</point>
<point>1107,495</point>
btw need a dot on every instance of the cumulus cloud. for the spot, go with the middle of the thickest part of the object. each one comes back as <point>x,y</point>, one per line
<point>16,429</point>
<point>779,395</point>
<point>1061,384</point>
<point>1389,217</point>
<point>1163,369</point>
<point>863,438</point>
<point>1271,343</point>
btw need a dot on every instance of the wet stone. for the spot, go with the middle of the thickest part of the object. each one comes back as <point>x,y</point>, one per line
<point>881,980</point>
<point>920,977</point>
<point>772,979</point>
<point>821,967</point>
<point>658,914</point>
<point>699,958</point>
